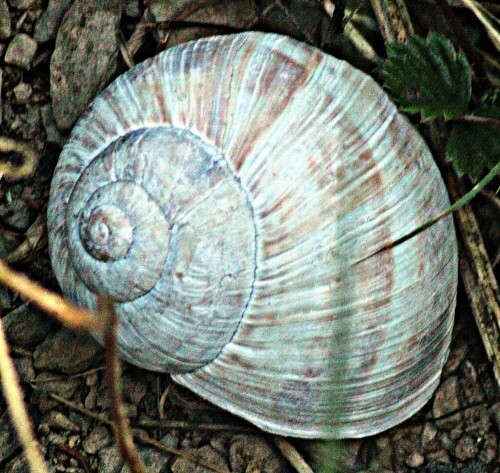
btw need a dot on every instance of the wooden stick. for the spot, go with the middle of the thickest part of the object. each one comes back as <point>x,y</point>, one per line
<point>292,455</point>
<point>121,427</point>
<point>52,303</point>
<point>17,409</point>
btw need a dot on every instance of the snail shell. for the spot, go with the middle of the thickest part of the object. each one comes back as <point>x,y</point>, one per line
<point>226,194</point>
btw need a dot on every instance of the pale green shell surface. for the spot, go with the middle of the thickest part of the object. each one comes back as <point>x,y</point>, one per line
<point>226,193</point>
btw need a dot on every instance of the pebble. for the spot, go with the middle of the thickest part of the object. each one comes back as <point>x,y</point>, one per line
<point>489,449</point>
<point>17,465</point>
<point>16,214</point>
<point>69,352</point>
<point>134,389</point>
<point>415,460</point>
<point>97,439</point>
<point>1,85</point>
<point>8,443</point>
<point>472,391</point>
<point>63,387</point>
<point>429,433</point>
<point>23,92</point>
<point>495,411</point>
<point>26,326</point>
<point>5,25</point>
<point>47,25</point>
<point>109,461</point>
<point>84,58</point>
<point>57,420</point>
<point>21,51</point>
<point>438,456</point>
<point>466,448</point>
<point>446,399</point>
<point>24,368</point>
<point>157,460</point>
<point>21,4</point>
<point>208,453</point>
<point>132,8</point>
<point>248,452</point>
<point>91,398</point>
<point>49,123</point>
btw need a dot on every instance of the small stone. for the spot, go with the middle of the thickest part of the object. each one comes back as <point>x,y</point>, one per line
<point>23,92</point>
<point>415,460</point>
<point>489,449</point>
<point>249,451</point>
<point>5,26</point>
<point>27,326</point>
<point>1,106</point>
<point>69,352</point>
<point>24,368</point>
<point>49,123</point>
<point>5,301</point>
<point>16,214</point>
<point>84,58</point>
<point>46,27</point>
<point>477,420</point>
<point>157,460</point>
<point>62,387</point>
<point>446,399</point>
<point>472,391</point>
<point>495,411</point>
<point>17,465</point>
<point>132,8</point>
<point>429,433</point>
<point>133,389</point>
<point>58,420</point>
<point>438,456</point>
<point>21,51</point>
<point>55,438</point>
<point>8,442</point>
<point>109,460</point>
<point>91,399</point>
<point>208,453</point>
<point>466,448</point>
<point>456,433</point>
<point>21,4</point>
<point>91,379</point>
<point>97,439</point>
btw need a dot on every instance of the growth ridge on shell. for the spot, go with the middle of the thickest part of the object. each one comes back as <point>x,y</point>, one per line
<point>222,193</point>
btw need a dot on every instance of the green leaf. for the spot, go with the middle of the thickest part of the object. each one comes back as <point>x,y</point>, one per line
<point>474,146</point>
<point>428,76</point>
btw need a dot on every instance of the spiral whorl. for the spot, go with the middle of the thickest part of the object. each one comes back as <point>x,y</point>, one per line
<point>178,238</point>
<point>234,195</point>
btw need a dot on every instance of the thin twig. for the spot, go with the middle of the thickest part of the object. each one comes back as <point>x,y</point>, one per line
<point>51,302</point>
<point>292,455</point>
<point>17,409</point>
<point>393,19</point>
<point>183,425</point>
<point>121,428</point>
<point>478,119</point>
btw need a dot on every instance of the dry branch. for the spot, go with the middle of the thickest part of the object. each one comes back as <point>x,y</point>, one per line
<point>70,315</point>
<point>121,428</point>
<point>17,409</point>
